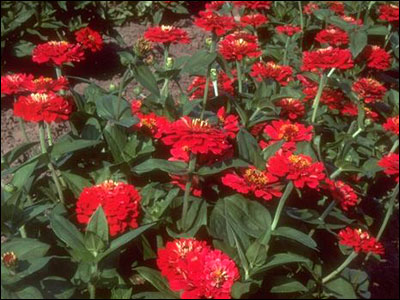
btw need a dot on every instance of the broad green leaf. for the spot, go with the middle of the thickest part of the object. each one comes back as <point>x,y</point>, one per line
<point>75,182</point>
<point>249,150</point>
<point>146,78</point>
<point>283,259</point>
<point>16,152</point>
<point>25,248</point>
<point>198,63</point>
<point>69,144</point>
<point>296,235</point>
<point>54,287</point>
<point>358,40</point>
<point>98,224</point>
<point>22,175</point>
<point>340,288</point>
<point>115,109</point>
<point>221,166</point>
<point>173,167</point>
<point>287,285</point>
<point>158,281</point>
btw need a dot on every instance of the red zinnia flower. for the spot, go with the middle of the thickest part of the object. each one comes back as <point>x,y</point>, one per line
<point>239,45</point>
<point>57,53</point>
<point>389,12</point>
<point>89,39</point>
<point>288,29</point>
<point>392,124</point>
<point>195,136</point>
<point>214,5</point>
<point>390,164</point>
<point>197,87</point>
<point>120,202</point>
<point>211,21</point>
<point>15,83</point>
<point>333,36</point>
<point>327,58</point>
<point>253,4</point>
<point>230,123</point>
<point>151,124</point>
<point>377,58</point>
<point>288,131</point>
<point>135,106</point>
<point>337,7</point>
<point>351,20</point>
<point>369,90</point>
<point>310,8</point>
<point>299,168</point>
<point>260,183</point>
<point>360,241</point>
<point>254,20</point>
<point>166,35</point>
<point>39,107</point>
<point>9,259</point>
<point>291,108</point>
<point>343,193</point>
<point>47,84</point>
<point>271,70</point>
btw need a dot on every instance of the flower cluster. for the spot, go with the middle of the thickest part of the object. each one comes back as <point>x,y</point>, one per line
<point>327,58</point>
<point>120,203</point>
<point>389,13</point>
<point>271,70</point>
<point>392,124</point>
<point>360,241</point>
<point>369,90</point>
<point>89,39</point>
<point>254,20</point>
<point>196,270</point>
<point>212,21</point>
<point>291,108</point>
<point>390,164</point>
<point>254,4</point>
<point>377,58</point>
<point>332,36</point>
<point>58,53</point>
<point>166,35</point>
<point>237,46</point>
<point>15,83</point>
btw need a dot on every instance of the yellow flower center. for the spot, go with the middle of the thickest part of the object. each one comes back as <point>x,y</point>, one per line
<point>198,123</point>
<point>39,97</point>
<point>58,43</point>
<point>288,131</point>
<point>166,28</point>
<point>299,162</point>
<point>256,176</point>
<point>241,43</point>
<point>149,122</point>
<point>45,79</point>
<point>219,276</point>
<point>109,184</point>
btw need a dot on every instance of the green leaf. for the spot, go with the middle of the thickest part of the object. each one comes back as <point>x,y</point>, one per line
<point>256,254</point>
<point>340,288</point>
<point>199,62</point>
<point>287,285</point>
<point>296,235</point>
<point>173,167</point>
<point>146,78</point>
<point>221,166</point>
<point>29,292</point>
<point>22,175</point>
<point>377,30</point>
<point>98,224</point>
<point>23,48</point>
<point>159,282</point>
<point>115,109</point>
<point>69,144</point>
<point>57,288</point>
<point>75,182</point>
<point>272,149</point>
<point>25,248</point>
<point>283,259</point>
<point>16,152</point>
<point>116,139</point>
<point>358,41</point>
<point>249,150</point>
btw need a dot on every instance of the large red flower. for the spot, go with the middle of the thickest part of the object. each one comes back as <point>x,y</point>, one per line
<point>89,39</point>
<point>327,58</point>
<point>298,168</point>
<point>120,203</point>
<point>360,241</point>
<point>212,21</point>
<point>377,58</point>
<point>369,90</point>
<point>47,84</point>
<point>166,35</point>
<point>271,70</point>
<point>15,83</point>
<point>291,108</point>
<point>38,107</point>
<point>343,193</point>
<point>254,20</point>
<point>58,53</point>
<point>289,30</point>
<point>390,164</point>
<point>333,36</point>
<point>253,4</point>
<point>224,83</point>
<point>392,124</point>
<point>251,180</point>
<point>239,45</point>
<point>389,12</point>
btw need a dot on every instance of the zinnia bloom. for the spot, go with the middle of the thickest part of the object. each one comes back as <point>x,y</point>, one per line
<point>197,87</point>
<point>271,70</point>
<point>337,7</point>
<point>230,123</point>
<point>289,30</point>
<point>15,83</point>
<point>360,241</point>
<point>390,164</point>
<point>291,108</point>
<point>389,12</point>
<point>254,20</point>
<point>120,203</point>
<point>89,39</point>
<point>351,20</point>
<point>38,107</point>
<point>212,21</point>
<point>333,36</point>
<point>151,124</point>
<point>392,124</point>
<point>58,53</point>
<point>327,58</point>
<point>369,90</point>
<point>214,5</point>
<point>9,259</point>
<point>166,35</point>
<point>343,193</point>
<point>253,4</point>
<point>47,84</point>
<point>298,168</point>
<point>251,180</point>
<point>377,58</point>
<point>239,45</point>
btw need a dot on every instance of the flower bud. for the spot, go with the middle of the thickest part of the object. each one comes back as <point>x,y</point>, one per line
<point>9,259</point>
<point>208,42</point>
<point>137,90</point>
<point>142,47</point>
<point>368,122</point>
<point>213,74</point>
<point>10,188</point>
<point>170,63</point>
<point>112,87</point>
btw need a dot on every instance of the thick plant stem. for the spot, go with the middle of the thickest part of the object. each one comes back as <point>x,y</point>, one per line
<point>23,129</point>
<point>301,16</point>
<point>49,136</point>
<point>185,207</point>
<point>336,173</point>
<point>282,201</point>
<point>318,98</point>
<point>239,76</point>
<point>288,39</point>
<point>92,290</point>
<point>339,269</point>
<point>50,165</point>
<point>395,146</point>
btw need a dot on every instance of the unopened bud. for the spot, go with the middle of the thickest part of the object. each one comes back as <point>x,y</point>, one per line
<point>170,63</point>
<point>213,74</point>
<point>208,42</point>
<point>10,188</point>
<point>137,90</point>
<point>368,122</point>
<point>112,87</point>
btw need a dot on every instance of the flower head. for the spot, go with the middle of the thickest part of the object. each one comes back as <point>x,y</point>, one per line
<point>289,132</point>
<point>327,58</point>
<point>390,164</point>
<point>254,20</point>
<point>166,35</point>
<point>337,7</point>
<point>15,83</point>
<point>289,30</point>
<point>360,241</point>
<point>392,124</point>
<point>271,70</point>
<point>89,39</point>
<point>57,53</point>
<point>120,203</point>
<point>377,58</point>
<point>389,13</point>
<point>47,84</point>
<point>310,8</point>
<point>9,259</point>
<point>239,45</point>
<point>212,21</point>
<point>253,4</point>
<point>151,124</point>
<point>291,108</point>
<point>332,36</point>
<point>369,89</point>
<point>343,193</point>
<point>224,83</point>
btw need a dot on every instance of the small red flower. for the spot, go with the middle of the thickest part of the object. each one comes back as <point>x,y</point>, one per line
<point>251,180</point>
<point>271,70</point>
<point>253,4</point>
<point>289,30</point>
<point>230,123</point>
<point>120,203</point>
<point>166,35</point>
<point>337,7</point>
<point>215,5</point>
<point>224,82</point>
<point>57,53</point>
<point>151,124</point>
<point>38,107</point>
<point>310,8</point>
<point>239,45</point>
<point>392,124</point>
<point>343,193</point>
<point>369,90</point>
<point>47,84</point>
<point>9,259</point>
<point>254,20</point>
<point>377,58</point>
<point>212,21</point>
<point>327,58</point>
<point>298,168</point>
<point>333,36</point>
<point>135,106</point>
<point>291,108</point>
<point>351,20</point>
<point>89,39</point>
<point>360,241</point>
<point>389,13</point>
<point>390,164</point>
<point>15,83</point>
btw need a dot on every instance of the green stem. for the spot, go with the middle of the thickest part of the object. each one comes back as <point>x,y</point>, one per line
<point>253,116</point>
<point>336,173</point>
<point>239,76</point>
<point>395,146</point>
<point>339,269</point>
<point>359,130</point>
<point>50,165</point>
<point>22,231</point>
<point>185,207</point>
<point>23,129</point>
<point>206,88</point>
<point>318,97</point>
<point>49,136</point>
<point>120,90</point>
<point>387,37</point>
<point>92,290</point>
<point>281,204</point>
<point>301,16</point>
<point>388,212</point>
<point>166,53</point>
<point>288,39</point>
